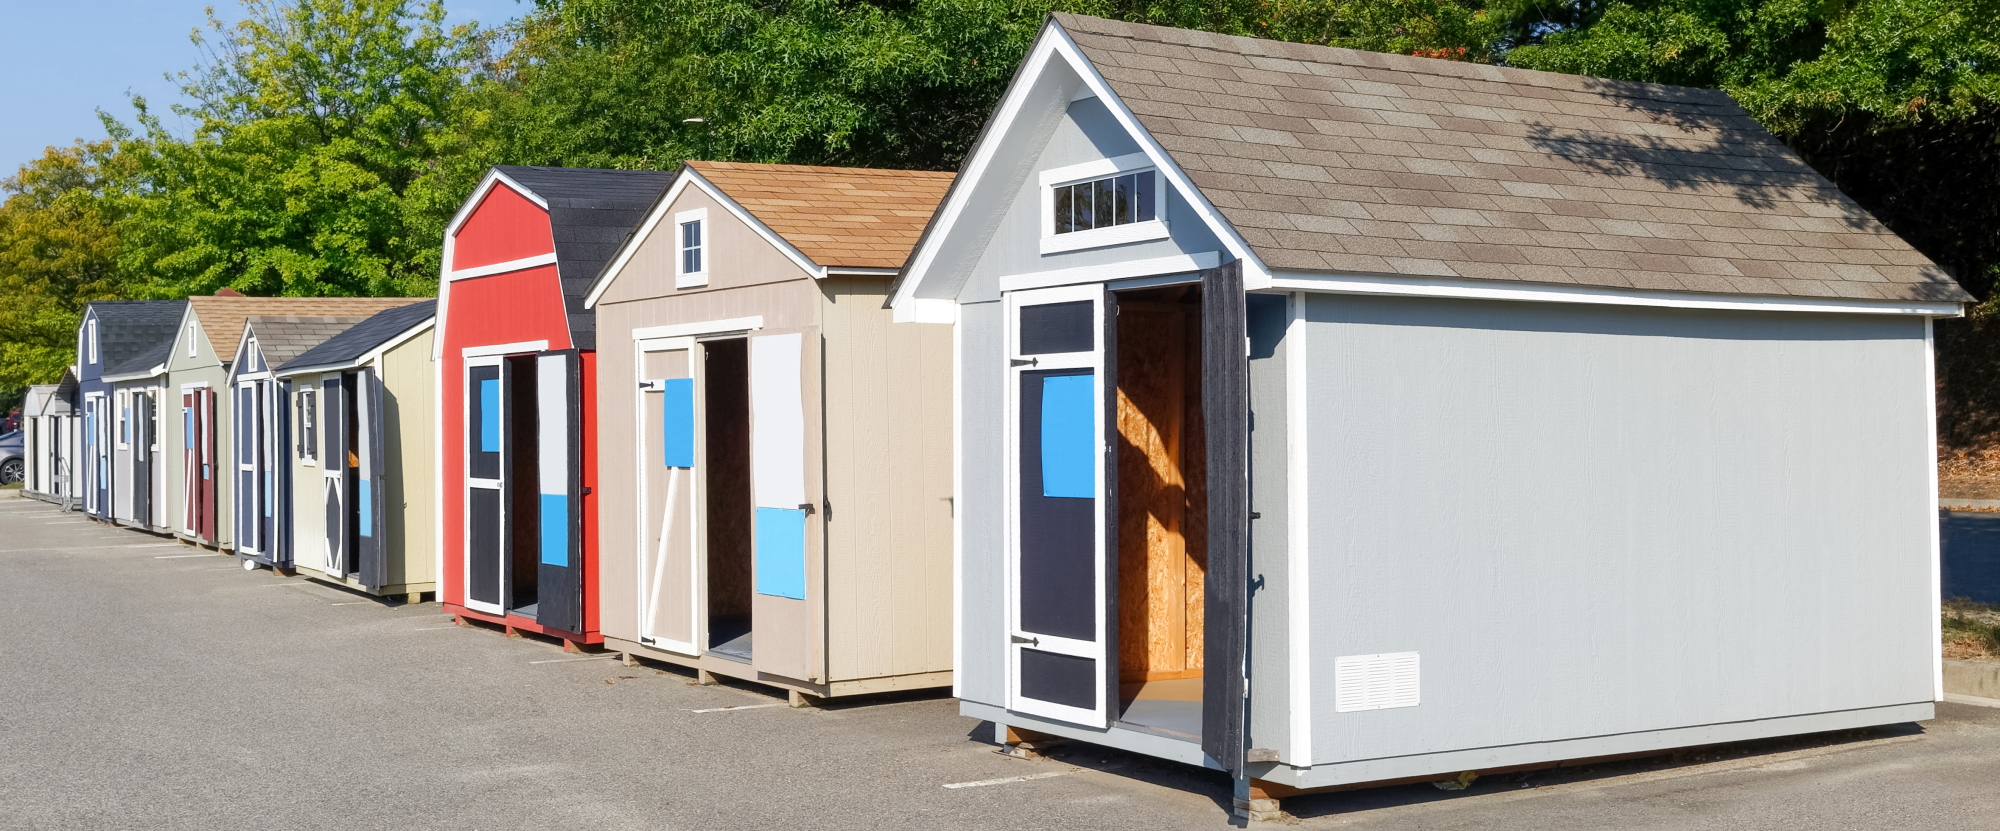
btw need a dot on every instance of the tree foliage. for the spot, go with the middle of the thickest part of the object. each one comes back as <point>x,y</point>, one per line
<point>59,250</point>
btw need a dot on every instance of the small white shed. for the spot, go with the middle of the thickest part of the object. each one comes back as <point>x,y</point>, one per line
<point>1330,417</point>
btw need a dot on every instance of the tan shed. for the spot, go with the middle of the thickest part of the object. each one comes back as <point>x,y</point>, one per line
<point>362,411</point>
<point>776,455</point>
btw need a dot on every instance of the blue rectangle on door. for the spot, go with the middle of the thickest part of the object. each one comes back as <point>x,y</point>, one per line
<point>1069,436</point>
<point>677,428</point>
<point>781,552</point>
<point>555,529</point>
<point>489,415</point>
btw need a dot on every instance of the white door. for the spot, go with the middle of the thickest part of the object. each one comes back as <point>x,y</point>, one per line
<point>1058,665</point>
<point>669,601</point>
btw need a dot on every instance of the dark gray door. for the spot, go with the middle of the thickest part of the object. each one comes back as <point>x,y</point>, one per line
<point>1225,386</point>
<point>371,482</point>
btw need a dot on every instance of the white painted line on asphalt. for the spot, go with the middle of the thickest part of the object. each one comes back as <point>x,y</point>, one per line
<point>355,603</point>
<point>437,628</point>
<point>1973,700</point>
<point>567,660</point>
<point>743,707</point>
<point>180,556</point>
<point>1030,777</point>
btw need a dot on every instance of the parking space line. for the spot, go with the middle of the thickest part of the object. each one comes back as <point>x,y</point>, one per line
<point>1030,777</point>
<point>743,707</point>
<point>567,660</point>
<point>181,556</point>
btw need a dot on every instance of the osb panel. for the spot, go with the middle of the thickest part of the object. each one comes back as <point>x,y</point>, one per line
<point>1162,536</point>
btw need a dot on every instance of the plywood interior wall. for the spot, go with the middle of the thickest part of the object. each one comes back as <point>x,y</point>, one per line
<point>726,473</point>
<point>523,476</point>
<point>1162,498</point>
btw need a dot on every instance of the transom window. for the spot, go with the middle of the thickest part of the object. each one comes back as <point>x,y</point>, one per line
<point>1104,203</point>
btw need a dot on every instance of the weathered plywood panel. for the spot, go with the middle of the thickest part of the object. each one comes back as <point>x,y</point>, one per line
<point>1595,520</point>
<point>888,479</point>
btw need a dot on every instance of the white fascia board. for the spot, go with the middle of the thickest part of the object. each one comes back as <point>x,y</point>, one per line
<point>689,177</point>
<point>1123,270</point>
<point>1054,42</point>
<point>859,271</point>
<point>1469,289</point>
<point>136,375</point>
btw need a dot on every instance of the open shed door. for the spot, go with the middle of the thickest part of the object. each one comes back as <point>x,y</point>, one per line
<point>559,421</point>
<point>191,461</point>
<point>371,485</point>
<point>333,430</point>
<point>206,444</point>
<point>1057,542</point>
<point>1225,385</point>
<point>783,534</point>
<point>487,431</point>
<point>142,458</point>
<point>668,598</point>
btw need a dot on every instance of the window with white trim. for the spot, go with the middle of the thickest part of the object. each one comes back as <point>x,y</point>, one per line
<point>309,426</point>
<point>1114,200</point>
<point>90,338</point>
<point>691,243</point>
<point>191,334</point>
<point>1104,202</point>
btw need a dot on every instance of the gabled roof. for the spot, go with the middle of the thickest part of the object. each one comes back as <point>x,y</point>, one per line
<point>222,317</point>
<point>838,216</point>
<point>590,213</point>
<point>362,338</point>
<point>129,329</point>
<point>283,337</point>
<point>1355,162</point>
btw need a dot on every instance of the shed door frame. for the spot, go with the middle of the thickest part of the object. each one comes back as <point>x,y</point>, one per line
<point>194,456</point>
<point>499,364</point>
<point>1019,640</point>
<point>96,436</point>
<point>254,535</point>
<point>650,563</point>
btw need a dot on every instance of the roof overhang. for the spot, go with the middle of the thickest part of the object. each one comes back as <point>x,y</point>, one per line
<point>136,375</point>
<point>688,177</point>
<point>366,358</point>
<point>1053,49</point>
<point>1472,289</point>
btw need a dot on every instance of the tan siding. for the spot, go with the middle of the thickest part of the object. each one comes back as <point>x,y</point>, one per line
<point>410,409</point>
<point>888,450</point>
<point>308,487</point>
<point>737,256</point>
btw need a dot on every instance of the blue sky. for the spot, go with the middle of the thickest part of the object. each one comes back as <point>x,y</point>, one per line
<point>65,60</point>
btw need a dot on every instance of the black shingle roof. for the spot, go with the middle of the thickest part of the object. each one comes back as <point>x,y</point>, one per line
<point>591,212</point>
<point>359,339</point>
<point>134,335</point>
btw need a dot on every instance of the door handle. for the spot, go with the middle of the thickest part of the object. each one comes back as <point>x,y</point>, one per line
<point>1028,641</point>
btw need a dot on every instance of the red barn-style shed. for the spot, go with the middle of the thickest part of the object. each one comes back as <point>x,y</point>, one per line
<point>516,363</point>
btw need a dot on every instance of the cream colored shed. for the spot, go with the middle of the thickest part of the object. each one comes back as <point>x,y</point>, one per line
<point>363,456</point>
<point>776,455</point>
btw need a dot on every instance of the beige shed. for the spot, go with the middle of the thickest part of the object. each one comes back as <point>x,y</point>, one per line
<point>776,455</point>
<point>363,460</point>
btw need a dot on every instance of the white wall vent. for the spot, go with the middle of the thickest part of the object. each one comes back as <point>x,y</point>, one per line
<point>1374,682</point>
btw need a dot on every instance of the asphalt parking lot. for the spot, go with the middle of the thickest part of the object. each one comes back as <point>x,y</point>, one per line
<point>146,684</point>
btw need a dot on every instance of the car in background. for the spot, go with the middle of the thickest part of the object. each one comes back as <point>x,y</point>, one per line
<point>13,464</point>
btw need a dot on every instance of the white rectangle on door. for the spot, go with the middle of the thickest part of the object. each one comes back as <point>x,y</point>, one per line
<point>777,422</point>
<point>1375,682</point>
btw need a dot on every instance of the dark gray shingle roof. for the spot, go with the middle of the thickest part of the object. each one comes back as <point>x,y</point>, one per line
<point>283,337</point>
<point>129,332</point>
<point>1366,163</point>
<point>363,337</point>
<point>591,212</point>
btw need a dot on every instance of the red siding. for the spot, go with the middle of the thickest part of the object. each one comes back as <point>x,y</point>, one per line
<point>513,307</point>
<point>505,227</point>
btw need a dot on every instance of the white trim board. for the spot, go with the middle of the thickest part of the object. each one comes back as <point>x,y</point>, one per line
<point>1150,267</point>
<point>1469,289</point>
<point>690,177</point>
<point>700,327</point>
<point>503,268</point>
<point>492,350</point>
<point>1054,42</point>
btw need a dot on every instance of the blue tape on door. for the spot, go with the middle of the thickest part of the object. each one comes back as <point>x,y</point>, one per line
<point>365,506</point>
<point>781,552</point>
<point>555,529</point>
<point>678,436</point>
<point>489,415</point>
<point>1069,437</point>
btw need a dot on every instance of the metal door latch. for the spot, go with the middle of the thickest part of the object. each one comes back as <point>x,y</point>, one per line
<point>1023,361</point>
<point>1028,641</point>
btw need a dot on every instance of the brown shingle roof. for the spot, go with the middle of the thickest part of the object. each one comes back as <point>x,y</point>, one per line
<point>222,317</point>
<point>284,337</point>
<point>837,216</point>
<point>1358,162</point>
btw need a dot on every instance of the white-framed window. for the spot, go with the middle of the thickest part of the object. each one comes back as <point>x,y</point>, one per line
<point>90,338</point>
<point>124,419</point>
<point>1106,202</point>
<point>192,331</point>
<point>691,244</point>
<point>309,426</point>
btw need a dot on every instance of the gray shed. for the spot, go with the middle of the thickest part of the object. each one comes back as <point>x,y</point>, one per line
<point>1330,417</point>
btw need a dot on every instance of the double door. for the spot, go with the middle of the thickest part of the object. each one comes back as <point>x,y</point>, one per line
<point>343,427</point>
<point>523,435</point>
<point>260,420</point>
<point>198,462</point>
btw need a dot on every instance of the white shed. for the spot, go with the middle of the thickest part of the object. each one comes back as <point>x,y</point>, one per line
<point>1330,417</point>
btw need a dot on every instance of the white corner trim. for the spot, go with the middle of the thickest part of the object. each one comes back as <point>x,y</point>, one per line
<point>700,327</point>
<point>925,310</point>
<point>689,178</point>
<point>1111,271</point>
<point>1467,289</point>
<point>1096,169</point>
<point>1151,229</point>
<point>1298,538</point>
<point>505,349</point>
<point>1931,512</point>
<point>502,268</point>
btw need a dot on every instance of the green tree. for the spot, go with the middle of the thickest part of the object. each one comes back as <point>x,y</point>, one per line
<point>59,250</point>
<point>315,125</point>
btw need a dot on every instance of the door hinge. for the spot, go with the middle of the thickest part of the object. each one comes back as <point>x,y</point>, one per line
<point>807,507</point>
<point>1028,641</point>
<point>1023,361</point>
